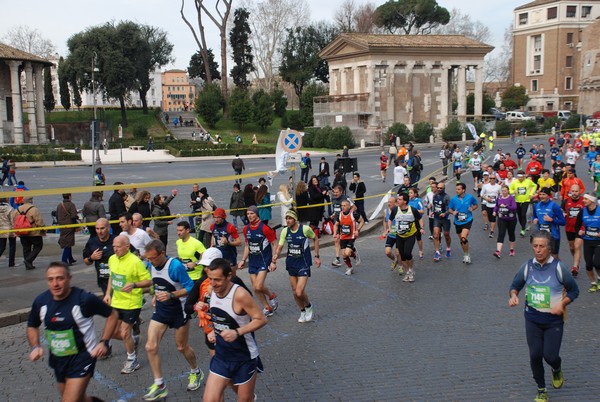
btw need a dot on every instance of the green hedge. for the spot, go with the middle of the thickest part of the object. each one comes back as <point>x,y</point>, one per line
<point>37,153</point>
<point>422,131</point>
<point>453,131</point>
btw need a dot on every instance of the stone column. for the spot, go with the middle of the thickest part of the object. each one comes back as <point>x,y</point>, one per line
<point>461,93</point>
<point>3,93</point>
<point>408,106</point>
<point>356,79</point>
<point>370,87</point>
<point>478,91</point>
<point>38,70</point>
<point>29,98</point>
<point>15,84</point>
<point>344,81</point>
<point>333,84</point>
<point>444,95</point>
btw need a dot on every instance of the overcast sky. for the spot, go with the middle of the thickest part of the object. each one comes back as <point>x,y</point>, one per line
<point>59,19</point>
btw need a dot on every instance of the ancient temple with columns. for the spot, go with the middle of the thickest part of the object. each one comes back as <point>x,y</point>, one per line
<point>378,80</point>
<point>16,127</point>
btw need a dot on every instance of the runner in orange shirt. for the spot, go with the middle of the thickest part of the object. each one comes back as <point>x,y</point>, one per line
<point>348,224</point>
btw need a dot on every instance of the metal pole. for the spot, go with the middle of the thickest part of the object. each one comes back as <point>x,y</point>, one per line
<point>98,161</point>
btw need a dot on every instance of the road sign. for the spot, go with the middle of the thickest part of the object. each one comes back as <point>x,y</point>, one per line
<point>294,158</point>
<point>291,141</point>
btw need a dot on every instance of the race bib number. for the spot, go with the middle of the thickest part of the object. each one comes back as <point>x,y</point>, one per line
<point>437,209</point>
<point>346,230</point>
<point>403,227</point>
<point>295,251</point>
<point>492,199</point>
<point>118,281</point>
<point>103,270</point>
<point>521,191</point>
<point>461,217</point>
<point>545,227</point>
<point>538,297</point>
<point>62,343</point>
<point>254,248</point>
<point>573,212</point>
<point>337,208</point>
<point>591,232</point>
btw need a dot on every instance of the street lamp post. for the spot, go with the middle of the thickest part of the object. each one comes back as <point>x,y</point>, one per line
<point>96,146</point>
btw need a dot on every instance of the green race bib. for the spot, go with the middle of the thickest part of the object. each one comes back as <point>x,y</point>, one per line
<point>538,297</point>
<point>117,281</point>
<point>62,343</point>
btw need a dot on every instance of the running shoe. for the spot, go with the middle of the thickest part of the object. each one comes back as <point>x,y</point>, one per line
<point>336,263</point>
<point>356,258</point>
<point>542,395</point>
<point>156,392</point>
<point>310,312</point>
<point>497,254</point>
<point>574,271</point>
<point>267,312</point>
<point>130,366</point>
<point>557,378</point>
<point>349,271</point>
<point>274,301</point>
<point>593,288</point>
<point>302,316</point>
<point>512,253</point>
<point>485,227</point>
<point>437,257</point>
<point>400,270</point>
<point>448,253</point>
<point>420,255</point>
<point>522,233</point>
<point>491,234</point>
<point>467,259</point>
<point>194,380</point>
<point>394,265</point>
<point>430,237</point>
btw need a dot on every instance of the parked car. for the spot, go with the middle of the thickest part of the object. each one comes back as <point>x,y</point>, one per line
<point>515,115</point>
<point>498,114</point>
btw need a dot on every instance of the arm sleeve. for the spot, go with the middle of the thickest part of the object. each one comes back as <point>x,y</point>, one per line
<point>178,273</point>
<point>232,230</point>
<point>308,232</point>
<point>142,273</point>
<point>519,279</point>
<point>34,315</point>
<point>579,221</point>
<point>559,218</point>
<point>269,234</point>
<point>283,235</point>
<point>92,305</point>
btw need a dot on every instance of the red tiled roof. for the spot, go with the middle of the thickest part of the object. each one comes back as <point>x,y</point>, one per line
<point>11,53</point>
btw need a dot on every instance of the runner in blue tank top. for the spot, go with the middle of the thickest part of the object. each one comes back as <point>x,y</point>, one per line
<point>588,227</point>
<point>298,260</point>
<point>462,206</point>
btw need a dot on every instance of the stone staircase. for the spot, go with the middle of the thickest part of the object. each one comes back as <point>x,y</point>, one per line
<point>182,132</point>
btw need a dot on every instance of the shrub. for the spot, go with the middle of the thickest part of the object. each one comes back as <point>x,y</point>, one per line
<point>422,131</point>
<point>400,130</point>
<point>308,138</point>
<point>140,131</point>
<point>453,131</point>
<point>530,126</point>
<point>209,104</point>
<point>503,127</point>
<point>549,122</point>
<point>339,137</point>
<point>321,135</point>
<point>292,119</point>
<point>572,122</point>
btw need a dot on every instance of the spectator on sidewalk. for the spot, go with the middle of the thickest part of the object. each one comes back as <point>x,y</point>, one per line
<point>32,241</point>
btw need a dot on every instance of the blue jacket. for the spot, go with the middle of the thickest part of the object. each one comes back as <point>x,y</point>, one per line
<point>551,209</point>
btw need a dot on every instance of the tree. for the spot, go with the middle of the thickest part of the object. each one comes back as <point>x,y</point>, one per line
<point>29,40</point>
<point>262,113</point>
<point>411,16</point>
<point>76,94</point>
<point>299,57</point>
<point>279,102</point>
<point>463,24</point>
<point>269,20</point>
<point>63,84</point>
<point>201,41</point>
<point>240,107</point>
<point>49,101</point>
<point>155,53</point>
<point>351,17</point>
<point>514,97</point>
<point>196,68</point>
<point>401,131</point>
<point>422,131</point>
<point>324,33</point>
<point>239,38</point>
<point>209,104</point>
<point>306,102</point>
<point>487,103</point>
<point>498,68</point>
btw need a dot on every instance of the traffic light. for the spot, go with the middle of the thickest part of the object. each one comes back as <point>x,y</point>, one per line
<point>95,134</point>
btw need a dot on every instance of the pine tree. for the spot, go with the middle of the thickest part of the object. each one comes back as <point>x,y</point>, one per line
<point>49,101</point>
<point>239,38</point>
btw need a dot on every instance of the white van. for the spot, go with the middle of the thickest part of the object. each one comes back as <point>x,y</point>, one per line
<point>518,116</point>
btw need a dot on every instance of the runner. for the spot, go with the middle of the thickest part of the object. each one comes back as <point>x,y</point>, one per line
<point>128,278</point>
<point>336,206</point>
<point>520,152</point>
<point>572,206</point>
<point>408,222</point>
<point>137,237</point>
<point>189,250</point>
<point>462,206</point>
<point>389,233</point>
<point>441,222</point>
<point>383,165</point>
<point>258,251</point>
<point>225,236</point>
<point>524,190</point>
<point>298,260</point>
<point>98,250</point>
<point>546,279</point>
<point>68,316</point>
<point>569,181</point>
<point>548,216</point>
<point>428,201</point>
<point>534,169</point>
<point>171,284</point>
<point>347,231</point>
<point>457,163</point>
<point>489,195</point>
<point>506,211</point>
<point>235,316</point>
<point>588,227</point>
<point>415,202</point>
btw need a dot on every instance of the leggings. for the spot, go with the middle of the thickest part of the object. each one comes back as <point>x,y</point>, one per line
<point>522,208</point>
<point>506,226</point>
<point>405,245</point>
<point>591,254</point>
<point>544,343</point>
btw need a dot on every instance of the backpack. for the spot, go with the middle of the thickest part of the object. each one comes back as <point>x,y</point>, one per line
<point>19,200</point>
<point>22,222</point>
<point>327,226</point>
<point>303,162</point>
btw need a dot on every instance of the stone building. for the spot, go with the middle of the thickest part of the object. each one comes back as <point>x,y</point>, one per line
<point>546,50</point>
<point>378,80</point>
<point>15,128</point>
<point>589,87</point>
<point>178,93</point>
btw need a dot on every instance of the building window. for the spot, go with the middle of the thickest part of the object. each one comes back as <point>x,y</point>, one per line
<point>571,11</point>
<point>523,19</point>
<point>569,61</point>
<point>569,38</point>
<point>568,105</point>
<point>537,63</point>
<point>586,11</point>
<point>537,43</point>
<point>568,83</point>
<point>552,13</point>
<point>534,85</point>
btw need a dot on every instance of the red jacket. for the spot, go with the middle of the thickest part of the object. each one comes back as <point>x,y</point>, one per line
<point>534,168</point>
<point>572,209</point>
<point>566,184</point>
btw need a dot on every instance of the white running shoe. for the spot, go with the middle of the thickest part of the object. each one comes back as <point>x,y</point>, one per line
<point>130,366</point>
<point>349,271</point>
<point>467,259</point>
<point>357,258</point>
<point>310,312</point>
<point>302,316</point>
